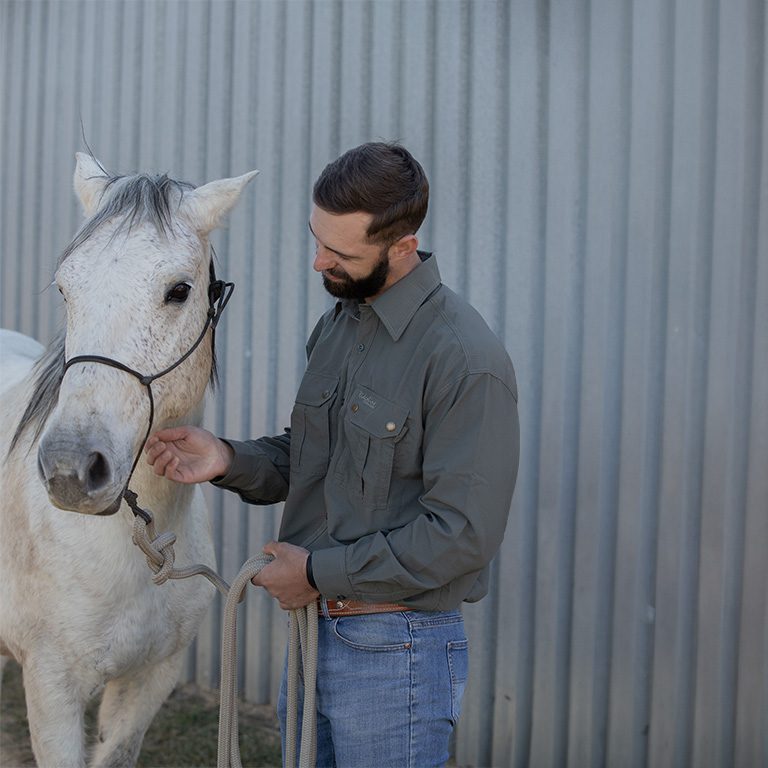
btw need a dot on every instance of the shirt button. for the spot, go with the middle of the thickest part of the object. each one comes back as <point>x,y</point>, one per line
<point>360,347</point>
<point>326,393</point>
<point>391,426</point>
<point>355,408</point>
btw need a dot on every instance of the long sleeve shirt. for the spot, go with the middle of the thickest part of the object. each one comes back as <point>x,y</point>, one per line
<point>399,465</point>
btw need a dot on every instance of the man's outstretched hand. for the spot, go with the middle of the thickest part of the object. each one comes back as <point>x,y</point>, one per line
<point>188,454</point>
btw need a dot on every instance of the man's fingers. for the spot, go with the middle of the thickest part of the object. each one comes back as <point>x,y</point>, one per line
<point>154,450</point>
<point>273,548</point>
<point>161,462</point>
<point>172,469</point>
<point>170,434</point>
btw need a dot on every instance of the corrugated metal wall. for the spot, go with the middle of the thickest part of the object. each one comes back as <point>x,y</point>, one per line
<point>599,193</point>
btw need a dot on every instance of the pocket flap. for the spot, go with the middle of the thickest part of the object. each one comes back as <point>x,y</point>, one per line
<point>375,414</point>
<point>316,388</point>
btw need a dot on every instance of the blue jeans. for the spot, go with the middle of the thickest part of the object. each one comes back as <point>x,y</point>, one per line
<point>389,689</point>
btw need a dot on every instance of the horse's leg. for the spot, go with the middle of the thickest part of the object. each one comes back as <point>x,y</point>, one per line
<point>3,660</point>
<point>127,707</point>
<point>55,707</point>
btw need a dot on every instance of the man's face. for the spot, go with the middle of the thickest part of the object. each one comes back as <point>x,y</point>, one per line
<point>352,268</point>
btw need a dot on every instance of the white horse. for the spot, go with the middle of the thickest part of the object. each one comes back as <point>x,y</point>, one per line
<point>78,608</point>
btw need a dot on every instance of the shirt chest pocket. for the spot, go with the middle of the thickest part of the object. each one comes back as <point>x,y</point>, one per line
<point>310,424</point>
<point>373,426</point>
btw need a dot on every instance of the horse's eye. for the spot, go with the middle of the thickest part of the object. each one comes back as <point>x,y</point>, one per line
<point>178,294</point>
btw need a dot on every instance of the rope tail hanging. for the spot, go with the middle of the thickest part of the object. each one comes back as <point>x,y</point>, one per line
<point>302,644</point>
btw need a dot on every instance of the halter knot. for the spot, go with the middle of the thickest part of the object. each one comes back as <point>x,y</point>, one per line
<point>158,549</point>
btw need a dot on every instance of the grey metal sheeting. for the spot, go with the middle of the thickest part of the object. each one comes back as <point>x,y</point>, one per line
<point>599,193</point>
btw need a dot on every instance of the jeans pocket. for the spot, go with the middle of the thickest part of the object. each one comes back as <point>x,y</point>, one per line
<point>374,632</point>
<point>458,666</point>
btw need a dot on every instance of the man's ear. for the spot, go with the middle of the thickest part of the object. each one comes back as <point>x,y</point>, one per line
<point>403,248</point>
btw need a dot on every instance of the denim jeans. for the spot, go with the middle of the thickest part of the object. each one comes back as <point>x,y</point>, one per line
<point>389,689</point>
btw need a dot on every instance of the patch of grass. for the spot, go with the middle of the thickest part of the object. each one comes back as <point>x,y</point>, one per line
<point>184,733</point>
<point>15,749</point>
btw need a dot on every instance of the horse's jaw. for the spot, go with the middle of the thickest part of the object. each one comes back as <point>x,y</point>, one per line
<point>164,499</point>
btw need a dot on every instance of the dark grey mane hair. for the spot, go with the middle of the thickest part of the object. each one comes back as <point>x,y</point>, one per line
<point>48,373</point>
<point>134,199</point>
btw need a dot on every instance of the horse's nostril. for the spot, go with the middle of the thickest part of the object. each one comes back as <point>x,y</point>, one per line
<point>97,472</point>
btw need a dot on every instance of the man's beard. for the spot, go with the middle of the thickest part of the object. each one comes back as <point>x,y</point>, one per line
<point>362,288</point>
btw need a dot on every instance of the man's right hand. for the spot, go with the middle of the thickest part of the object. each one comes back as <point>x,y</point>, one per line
<point>188,454</point>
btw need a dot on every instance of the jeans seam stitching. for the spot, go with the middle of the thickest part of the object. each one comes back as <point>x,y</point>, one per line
<point>411,664</point>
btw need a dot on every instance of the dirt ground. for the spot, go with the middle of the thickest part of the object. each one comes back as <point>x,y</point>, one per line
<point>183,734</point>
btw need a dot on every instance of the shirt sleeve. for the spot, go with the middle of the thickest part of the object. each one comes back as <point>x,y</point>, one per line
<point>470,458</point>
<point>260,470</point>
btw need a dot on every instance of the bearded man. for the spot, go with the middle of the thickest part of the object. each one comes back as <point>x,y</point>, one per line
<point>397,471</point>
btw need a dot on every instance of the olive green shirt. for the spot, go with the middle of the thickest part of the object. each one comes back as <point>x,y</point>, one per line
<point>399,465</point>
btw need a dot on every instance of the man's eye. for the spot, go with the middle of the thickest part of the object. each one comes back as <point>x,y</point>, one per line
<point>178,294</point>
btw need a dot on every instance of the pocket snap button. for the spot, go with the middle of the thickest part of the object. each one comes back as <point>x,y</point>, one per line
<point>355,408</point>
<point>391,426</point>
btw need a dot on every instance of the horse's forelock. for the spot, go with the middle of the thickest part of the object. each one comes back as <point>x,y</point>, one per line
<point>133,200</point>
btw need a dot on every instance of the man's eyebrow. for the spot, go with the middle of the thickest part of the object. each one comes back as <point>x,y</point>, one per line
<point>333,250</point>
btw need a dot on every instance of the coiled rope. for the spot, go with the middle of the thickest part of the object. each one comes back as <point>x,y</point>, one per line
<point>302,644</point>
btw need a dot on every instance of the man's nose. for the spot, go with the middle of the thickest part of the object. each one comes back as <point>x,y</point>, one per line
<point>323,260</point>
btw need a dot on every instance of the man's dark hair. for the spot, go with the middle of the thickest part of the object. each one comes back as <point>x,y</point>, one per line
<point>379,178</point>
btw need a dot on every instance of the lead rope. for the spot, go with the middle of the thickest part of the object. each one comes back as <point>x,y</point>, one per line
<point>302,642</point>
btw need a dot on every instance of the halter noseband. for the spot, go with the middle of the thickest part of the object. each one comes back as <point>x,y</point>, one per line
<point>219,293</point>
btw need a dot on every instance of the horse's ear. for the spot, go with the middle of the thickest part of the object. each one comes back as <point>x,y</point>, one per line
<point>90,182</point>
<point>206,206</point>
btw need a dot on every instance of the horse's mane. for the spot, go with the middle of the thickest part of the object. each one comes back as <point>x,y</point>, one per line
<point>135,199</point>
<point>48,373</point>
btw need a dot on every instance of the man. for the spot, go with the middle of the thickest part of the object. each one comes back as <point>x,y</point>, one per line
<point>397,471</point>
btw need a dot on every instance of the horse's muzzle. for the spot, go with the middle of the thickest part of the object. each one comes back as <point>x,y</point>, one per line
<point>77,477</point>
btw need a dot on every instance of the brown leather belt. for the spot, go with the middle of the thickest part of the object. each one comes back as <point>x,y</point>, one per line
<point>357,608</point>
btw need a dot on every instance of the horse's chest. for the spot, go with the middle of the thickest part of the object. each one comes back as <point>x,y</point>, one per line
<point>145,630</point>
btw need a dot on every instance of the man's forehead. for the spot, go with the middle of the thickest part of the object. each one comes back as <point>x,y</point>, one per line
<point>340,230</point>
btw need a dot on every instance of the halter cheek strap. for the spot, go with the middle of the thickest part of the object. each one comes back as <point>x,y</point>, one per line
<point>219,293</point>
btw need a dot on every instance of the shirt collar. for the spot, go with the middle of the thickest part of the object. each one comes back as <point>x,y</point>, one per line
<point>398,304</point>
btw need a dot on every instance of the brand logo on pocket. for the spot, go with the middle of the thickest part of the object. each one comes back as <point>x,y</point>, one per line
<point>367,399</point>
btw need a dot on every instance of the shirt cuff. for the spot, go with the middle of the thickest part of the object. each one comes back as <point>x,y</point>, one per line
<point>329,570</point>
<point>241,470</point>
